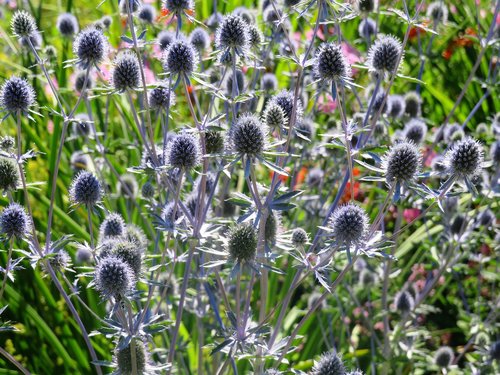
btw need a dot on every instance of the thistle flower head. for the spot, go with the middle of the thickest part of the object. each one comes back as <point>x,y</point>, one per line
<point>329,364</point>
<point>465,158</point>
<point>413,103</point>
<point>437,12</point>
<point>23,24</point>
<point>314,177</point>
<point>449,130</point>
<point>83,254</point>
<point>16,95</point>
<point>272,226</point>
<point>486,218</point>
<point>367,5</point>
<point>80,81</point>
<point>240,82</point>
<point>367,278</point>
<point>130,253</point>
<point>9,174</point>
<point>458,224</point>
<point>274,116</point>
<point>299,237</point>
<point>164,39</point>
<point>180,58</point>
<point>330,64</point>
<point>168,214</point>
<point>395,106</point>
<point>242,244</point>
<point>415,130</point>
<point>133,6</point>
<point>7,143</point>
<point>136,235</point>
<point>67,24</point>
<point>305,128</point>
<point>128,186</point>
<point>160,96</point>
<point>14,221</point>
<point>377,103</point>
<point>255,36</point>
<point>107,21</point>
<point>402,162</point>
<point>126,72</point>
<point>59,260</point>
<point>82,125</point>
<point>199,38</point>
<point>147,13</point>
<point>349,224</point>
<point>495,351</point>
<point>367,27</point>
<point>244,13</point>
<point>148,190</point>
<point>495,152</point>
<point>214,142</point>
<point>285,99</point>
<point>248,136</point>
<point>444,357</point>
<point>124,358</point>
<point>112,226</point>
<point>214,20</point>
<point>179,6</point>
<point>80,161</point>
<point>404,301</point>
<point>184,152</point>
<point>85,189</point>
<point>384,54</point>
<point>90,46</point>
<point>269,82</point>
<point>232,33</point>
<point>113,277</point>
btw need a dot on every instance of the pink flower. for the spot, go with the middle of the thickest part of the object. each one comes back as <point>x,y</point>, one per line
<point>411,214</point>
<point>326,105</point>
<point>48,90</point>
<point>50,126</point>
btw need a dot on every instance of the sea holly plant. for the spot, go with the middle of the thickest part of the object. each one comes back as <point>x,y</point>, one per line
<point>282,187</point>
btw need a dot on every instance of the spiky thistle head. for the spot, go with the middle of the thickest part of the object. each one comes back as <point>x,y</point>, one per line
<point>329,364</point>
<point>199,38</point>
<point>23,24</point>
<point>17,95</point>
<point>148,190</point>
<point>126,72</point>
<point>437,12</point>
<point>14,221</point>
<point>130,253</point>
<point>395,106</point>
<point>255,36</point>
<point>349,224</point>
<point>274,116</point>
<point>286,99</point>
<point>147,13</point>
<point>90,46</point>
<point>124,358</point>
<point>113,277</point>
<point>404,301</point>
<point>9,174</point>
<point>495,152</point>
<point>67,24</point>
<point>131,6</point>
<point>85,189</point>
<point>112,226</point>
<point>81,125</point>
<point>495,351</point>
<point>305,129</point>
<point>269,82</point>
<point>330,64</point>
<point>366,6</point>
<point>444,357</point>
<point>413,103</point>
<point>415,130</point>
<point>59,260</point>
<point>232,33</point>
<point>402,162</point>
<point>180,58</point>
<point>465,158</point>
<point>367,27</point>
<point>248,136</point>
<point>367,278</point>
<point>272,226</point>
<point>7,143</point>
<point>136,235</point>
<point>164,39</point>
<point>161,97</point>
<point>315,176</point>
<point>384,54</point>
<point>179,6</point>
<point>214,142</point>
<point>80,161</point>
<point>299,237</point>
<point>80,81</point>
<point>240,83</point>
<point>242,243</point>
<point>184,151</point>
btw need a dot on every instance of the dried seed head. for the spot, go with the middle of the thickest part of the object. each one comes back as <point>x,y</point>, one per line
<point>148,190</point>
<point>85,189</point>
<point>90,46</point>
<point>17,95</point>
<point>437,12</point>
<point>299,237</point>
<point>14,221</point>
<point>349,224</point>
<point>248,136</point>
<point>124,358</point>
<point>214,142</point>
<point>444,357</point>
<point>269,82</point>
<point>465,158</point>
<point>384,54</point>
<point>232,33</point>
<point>402,162</point>
<point>23,24</point>
<point>112,226</point>
<point>285,99</point>
<point>147,13</point>
<point>128,186</point>
<point>404,301</point>
<point>179,6</point>
<point>413,103</point>
<point>242,243</point>
<point>274,116</point>
<point>126,72</point>
<point>329,364</point>
<point>113,277</point>
<point>415,130</point>
<point>184,152</point>
<point>180,58</point>
<point>67,24</point>
<point>330,64</point>
<point>9,174</point>
<point>367,27</point>
<point>159,97</point>
<point>395,106</point>
<point>199,38</point>
<point>130,253</point>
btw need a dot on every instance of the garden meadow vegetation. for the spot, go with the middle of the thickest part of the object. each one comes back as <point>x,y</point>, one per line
<point>249,187</point>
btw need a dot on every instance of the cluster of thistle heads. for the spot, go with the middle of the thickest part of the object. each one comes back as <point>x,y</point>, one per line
<point>182,175</point>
